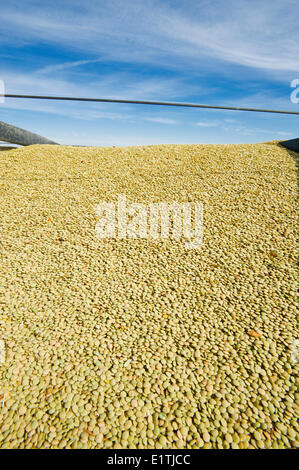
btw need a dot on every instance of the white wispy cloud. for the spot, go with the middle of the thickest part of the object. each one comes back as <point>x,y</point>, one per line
<point>287,134</point>
<point>161,120</point>
<point>257,34</point>
<point>66,65</point>
<point>207,123</point>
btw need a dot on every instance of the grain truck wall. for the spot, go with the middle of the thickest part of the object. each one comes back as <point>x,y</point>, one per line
<point>16,135</point>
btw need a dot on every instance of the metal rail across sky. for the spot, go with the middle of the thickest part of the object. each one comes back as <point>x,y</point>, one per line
<point>155,103</point>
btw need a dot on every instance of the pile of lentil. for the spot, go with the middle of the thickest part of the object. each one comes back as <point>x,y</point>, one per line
<point>139,343</point>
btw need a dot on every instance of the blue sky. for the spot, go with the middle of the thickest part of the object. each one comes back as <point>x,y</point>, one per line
<point>242,53</point>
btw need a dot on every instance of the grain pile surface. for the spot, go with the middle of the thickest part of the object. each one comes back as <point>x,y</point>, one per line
<point>124,343</point>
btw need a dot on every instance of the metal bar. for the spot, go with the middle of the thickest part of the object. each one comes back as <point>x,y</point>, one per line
<point>157,103</point>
